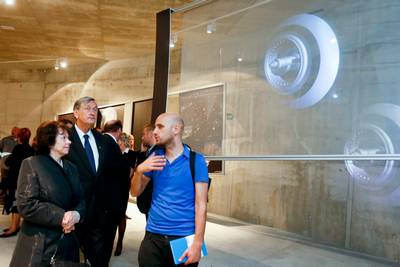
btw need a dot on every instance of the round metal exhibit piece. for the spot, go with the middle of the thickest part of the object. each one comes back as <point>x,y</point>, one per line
<point>374,134</point>
<point>370,140</point>
<point>286,63</point>
<point>303,59</point>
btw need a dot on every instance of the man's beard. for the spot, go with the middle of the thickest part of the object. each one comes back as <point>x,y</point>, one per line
<point>164,142</point>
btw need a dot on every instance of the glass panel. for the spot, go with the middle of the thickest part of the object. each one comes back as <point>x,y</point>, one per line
<point>308,77</point>
<point>300,77</point>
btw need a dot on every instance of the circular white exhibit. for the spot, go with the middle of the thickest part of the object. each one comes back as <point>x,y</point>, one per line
<point>371,136</point>
<point>288,62</point>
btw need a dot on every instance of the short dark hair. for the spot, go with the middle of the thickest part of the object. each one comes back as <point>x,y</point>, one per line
<point>24,134</point>
<point>85,100</point>
<point>112,126</point>
<point>46,135</point>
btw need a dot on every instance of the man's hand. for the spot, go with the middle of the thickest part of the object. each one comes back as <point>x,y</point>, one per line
<point>69,220</point>
<point>152,163</point>
<point>139,181</point>
<point>193,253</point>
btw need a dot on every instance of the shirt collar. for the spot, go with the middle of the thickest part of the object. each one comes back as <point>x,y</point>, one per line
<point>81,133</point>
<point>186,151</point>
<point>112,137</point>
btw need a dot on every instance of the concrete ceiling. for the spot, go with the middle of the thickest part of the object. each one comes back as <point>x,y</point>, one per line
<point>33,33</point>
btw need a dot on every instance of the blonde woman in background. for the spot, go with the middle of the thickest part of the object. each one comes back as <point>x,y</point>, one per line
<point>126,142</point>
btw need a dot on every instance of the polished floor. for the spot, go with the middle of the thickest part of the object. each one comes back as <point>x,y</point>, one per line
<point>230,243</point>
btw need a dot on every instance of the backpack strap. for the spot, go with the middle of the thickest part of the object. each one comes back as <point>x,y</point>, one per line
<point>192,163</point>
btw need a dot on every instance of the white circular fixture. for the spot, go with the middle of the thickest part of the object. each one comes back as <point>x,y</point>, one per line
<point>374,134</point>
<point>303,60</point>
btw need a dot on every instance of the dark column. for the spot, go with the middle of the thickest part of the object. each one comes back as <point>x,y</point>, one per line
<point>161,70</point>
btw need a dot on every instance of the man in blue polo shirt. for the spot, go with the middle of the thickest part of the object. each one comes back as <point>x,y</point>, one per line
<point>177,208</point>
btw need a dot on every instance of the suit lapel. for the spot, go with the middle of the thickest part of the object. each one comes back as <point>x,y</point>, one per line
<point>100,148</point>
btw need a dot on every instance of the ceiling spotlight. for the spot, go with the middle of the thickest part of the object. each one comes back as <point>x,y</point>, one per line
<point>63,63</point>
<point>211,27</point>
<point>335,95</point>
<point>9,2</point>
<point>239,55</point>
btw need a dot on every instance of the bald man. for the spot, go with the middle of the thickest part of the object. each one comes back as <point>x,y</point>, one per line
<point>177,210</point>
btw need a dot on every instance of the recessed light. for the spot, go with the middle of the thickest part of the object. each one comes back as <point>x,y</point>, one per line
<point>7,28</point>
<point>10,2</point>
<point>63,63</point>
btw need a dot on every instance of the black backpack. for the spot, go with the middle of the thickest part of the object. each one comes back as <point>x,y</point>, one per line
<point>143,201</point>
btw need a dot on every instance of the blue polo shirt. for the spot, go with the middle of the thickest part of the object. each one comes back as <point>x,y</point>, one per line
<point>172,209</point>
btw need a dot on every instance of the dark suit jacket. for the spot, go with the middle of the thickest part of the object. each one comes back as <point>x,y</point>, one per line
<point>118,170</point>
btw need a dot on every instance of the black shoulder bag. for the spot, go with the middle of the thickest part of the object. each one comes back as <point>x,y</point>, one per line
<point>54,262</point>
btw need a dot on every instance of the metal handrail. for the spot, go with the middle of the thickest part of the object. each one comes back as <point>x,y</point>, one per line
<point>335,157</point>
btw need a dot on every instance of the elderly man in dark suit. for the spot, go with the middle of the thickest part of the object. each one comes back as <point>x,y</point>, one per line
<point>94,157</point>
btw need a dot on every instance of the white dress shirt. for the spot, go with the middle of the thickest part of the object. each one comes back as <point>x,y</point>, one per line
<point>92,142</point>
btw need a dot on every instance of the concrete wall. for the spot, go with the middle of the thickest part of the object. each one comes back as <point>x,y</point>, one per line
<point>31,96</point>
<point>21,98</point>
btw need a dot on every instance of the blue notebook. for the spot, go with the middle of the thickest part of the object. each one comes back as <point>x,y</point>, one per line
<point>178,247</point>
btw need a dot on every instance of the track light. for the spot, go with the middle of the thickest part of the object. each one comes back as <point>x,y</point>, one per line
<point>173,40</point>
<point>211,27</point>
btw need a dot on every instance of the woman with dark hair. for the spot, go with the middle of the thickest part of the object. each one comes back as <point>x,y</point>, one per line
<point>50,200</point>
<point>20,152</point>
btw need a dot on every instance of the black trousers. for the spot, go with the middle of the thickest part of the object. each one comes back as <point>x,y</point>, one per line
<point>155,251</point>
<point>98,238</point>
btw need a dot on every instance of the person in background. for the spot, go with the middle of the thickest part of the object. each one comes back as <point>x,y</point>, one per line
<point>67,123</point>
<point>179,204</point>
<point>121,174</point>
<point>20,152</point>
<point>131,142</point>
<point>50,201</point>
<point>129,157</point>
<point>143,201</point>
<point>7,144</point>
